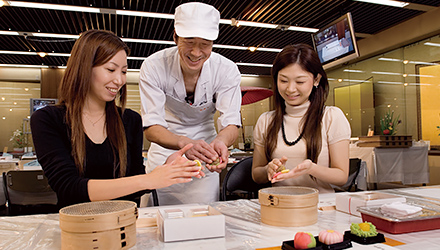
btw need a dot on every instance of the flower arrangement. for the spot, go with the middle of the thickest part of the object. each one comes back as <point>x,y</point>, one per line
<point>18,138</point>
<point>388,124</point>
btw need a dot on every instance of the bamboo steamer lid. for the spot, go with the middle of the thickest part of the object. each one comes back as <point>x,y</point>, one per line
<point>289,206</point>
<point>99,225</point>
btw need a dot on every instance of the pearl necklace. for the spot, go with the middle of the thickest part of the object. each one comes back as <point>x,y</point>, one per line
<point>285,139</point>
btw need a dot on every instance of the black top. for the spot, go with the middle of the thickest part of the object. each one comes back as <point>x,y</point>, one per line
<point>51,137</point>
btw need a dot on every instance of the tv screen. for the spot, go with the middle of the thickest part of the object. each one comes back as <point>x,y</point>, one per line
<point>38,103</point>
<point>336,43</point>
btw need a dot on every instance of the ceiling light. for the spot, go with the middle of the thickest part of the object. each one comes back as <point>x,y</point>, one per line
<point>11,33</point>
<point>405,84</point>
<point>10,110</point>
<point>15,103</point>
<point>3,98</point>
<point>353,71</point>
<point>144,14</point>
<point>269,50</point>
<point>385,73</point>
<point>254,64</point>
<point>223,46</point>
<point>303,29</point>
<point>42,54</point>
<point>252,49</point>
<point>339,80</point>
<point>405,75</point>
<point>26,89</point>
<point>18,52</point>
<point>386,2</point>
<point>432,44</point>
<point>23,66</point>
<point>55,35</point>
<point>134,40</point>
<point>53,6</point>
<point>2,3</point>
<point>405,61</point>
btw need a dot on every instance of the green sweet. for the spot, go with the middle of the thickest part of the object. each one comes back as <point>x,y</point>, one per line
<point>357,229</point>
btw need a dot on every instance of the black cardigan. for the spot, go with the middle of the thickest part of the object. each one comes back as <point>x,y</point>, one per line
<point>51,137</point>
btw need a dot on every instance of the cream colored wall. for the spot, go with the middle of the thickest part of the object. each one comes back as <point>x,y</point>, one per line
<point>434,169</point>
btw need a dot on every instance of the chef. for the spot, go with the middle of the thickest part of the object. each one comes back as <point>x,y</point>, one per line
<point>181,88</point>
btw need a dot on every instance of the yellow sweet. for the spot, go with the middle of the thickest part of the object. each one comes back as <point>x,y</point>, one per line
<point>199,164</point>
<point>285,171</point>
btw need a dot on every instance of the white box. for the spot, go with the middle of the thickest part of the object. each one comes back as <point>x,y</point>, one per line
<point>189,227</point>
<point>349,202</point>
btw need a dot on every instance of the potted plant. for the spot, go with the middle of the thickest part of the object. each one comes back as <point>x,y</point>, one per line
<point>18,139</point>
<point>388,124</point>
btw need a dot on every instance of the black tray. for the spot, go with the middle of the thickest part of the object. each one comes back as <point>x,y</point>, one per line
<point>289,245</point>
<point>379,238</point>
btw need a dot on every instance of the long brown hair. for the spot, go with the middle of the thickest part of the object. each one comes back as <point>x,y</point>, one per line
<point>92,49</point>
<point>311,123</point>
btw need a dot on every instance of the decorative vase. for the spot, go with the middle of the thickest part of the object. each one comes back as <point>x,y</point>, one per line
<point>18,150</point>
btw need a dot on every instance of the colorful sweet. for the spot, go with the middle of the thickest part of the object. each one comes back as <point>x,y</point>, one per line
<point>199,164</point>
<point>365,229</point>
<point>304,240</point>
<point>216,162</point>
<point>329,237</point>
<point>281,172</point>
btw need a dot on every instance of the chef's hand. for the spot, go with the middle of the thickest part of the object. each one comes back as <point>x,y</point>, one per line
<point>301,169</point>
<point>201,151</point>
<point>177,169</point>
<point>273,167</point>
<point>222,160</point>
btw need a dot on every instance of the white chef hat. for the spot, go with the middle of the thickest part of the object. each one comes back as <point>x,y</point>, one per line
<point>197,20</point>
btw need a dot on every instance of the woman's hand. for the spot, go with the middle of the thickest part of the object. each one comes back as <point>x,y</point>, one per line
<point>301,169</point>
<point>177,169</point>
<point>275,166</point>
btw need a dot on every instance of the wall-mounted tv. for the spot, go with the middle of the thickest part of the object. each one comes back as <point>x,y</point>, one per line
<point>38,103</point>
<point>336,42</point>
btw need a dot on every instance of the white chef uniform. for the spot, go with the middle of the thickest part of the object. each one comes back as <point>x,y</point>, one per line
<point>163,93</point>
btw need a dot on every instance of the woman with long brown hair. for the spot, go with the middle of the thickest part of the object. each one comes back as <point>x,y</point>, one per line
<point>89,148</point>
<point>303,135</point>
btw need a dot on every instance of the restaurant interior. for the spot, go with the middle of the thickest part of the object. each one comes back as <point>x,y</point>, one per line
<point>392,68</point>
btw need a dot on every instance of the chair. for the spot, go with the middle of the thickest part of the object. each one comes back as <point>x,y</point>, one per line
<point>28,192</point>
<point>354,169</point>
<point>3,209</point>
<point>238,182</point>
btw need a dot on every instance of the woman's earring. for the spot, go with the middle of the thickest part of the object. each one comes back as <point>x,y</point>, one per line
<point>316,86</point>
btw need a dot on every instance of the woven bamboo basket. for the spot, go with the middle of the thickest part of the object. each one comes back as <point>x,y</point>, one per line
<point>289,206</point>
<point>99,225</point>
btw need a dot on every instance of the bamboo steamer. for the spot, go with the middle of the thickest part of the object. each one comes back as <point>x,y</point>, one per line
<point>99,225</point>
<point>289,206</point>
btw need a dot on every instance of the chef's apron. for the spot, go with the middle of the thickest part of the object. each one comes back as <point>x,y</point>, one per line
<point>197,123</point>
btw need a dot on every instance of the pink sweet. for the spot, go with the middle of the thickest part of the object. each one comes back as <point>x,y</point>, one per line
<point>329,237</point>
<point>304,240</point>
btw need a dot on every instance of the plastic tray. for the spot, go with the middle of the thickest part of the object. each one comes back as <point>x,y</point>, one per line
<point>429,219</point>
<point>289,245</point>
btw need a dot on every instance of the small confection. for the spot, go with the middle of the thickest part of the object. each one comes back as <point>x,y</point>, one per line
<point>329,237</point>
<point>216,162</point>
<point>281,172</point>
<point>304,240</point>
<point>365,229</point>
<point>199,164</point>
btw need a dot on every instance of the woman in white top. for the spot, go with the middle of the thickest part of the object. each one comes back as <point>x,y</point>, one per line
<point>301,134</point>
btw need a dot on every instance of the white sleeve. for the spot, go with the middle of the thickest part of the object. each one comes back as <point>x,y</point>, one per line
<point>229,99</point>
<point>152,94</point>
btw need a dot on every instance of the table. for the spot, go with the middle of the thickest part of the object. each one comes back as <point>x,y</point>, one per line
<point>243,228</point>
<point>406,165</point>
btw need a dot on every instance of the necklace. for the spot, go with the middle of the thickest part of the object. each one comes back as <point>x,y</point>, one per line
<point>93,123</point>
<point>285,139</point>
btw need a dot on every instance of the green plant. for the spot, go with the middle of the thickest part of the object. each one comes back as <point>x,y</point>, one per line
<point>18,139</point>
<point>388,124</point>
